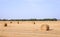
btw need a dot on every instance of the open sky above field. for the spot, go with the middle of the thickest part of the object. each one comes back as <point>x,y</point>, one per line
<point>26,9</point>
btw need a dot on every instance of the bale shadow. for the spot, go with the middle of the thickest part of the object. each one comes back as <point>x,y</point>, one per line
<point>50,29</point>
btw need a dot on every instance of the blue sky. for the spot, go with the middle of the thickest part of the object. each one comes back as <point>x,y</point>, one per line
<point>26,9</point>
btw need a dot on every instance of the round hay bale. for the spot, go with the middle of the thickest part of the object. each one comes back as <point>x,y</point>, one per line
<point>10,22</point>
<point>5,25</point>
<point>18,22</point>
<point>44,27</point>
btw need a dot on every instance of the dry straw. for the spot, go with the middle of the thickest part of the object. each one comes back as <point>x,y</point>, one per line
<point>44,27</point>
<point>5,25</point>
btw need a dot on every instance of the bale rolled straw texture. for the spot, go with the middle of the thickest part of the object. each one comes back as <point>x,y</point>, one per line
<point>44,27</point>
<point>5,25</point>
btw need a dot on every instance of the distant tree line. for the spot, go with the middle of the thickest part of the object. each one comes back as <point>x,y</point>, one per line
<point>54,19</point>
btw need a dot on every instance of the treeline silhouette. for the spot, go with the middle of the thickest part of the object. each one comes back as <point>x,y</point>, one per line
<point>54,19</point>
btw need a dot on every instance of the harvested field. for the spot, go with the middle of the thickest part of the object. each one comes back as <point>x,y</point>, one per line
<point>29,29</point>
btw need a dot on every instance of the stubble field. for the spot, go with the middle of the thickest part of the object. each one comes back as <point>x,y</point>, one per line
<point>29,29</point>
